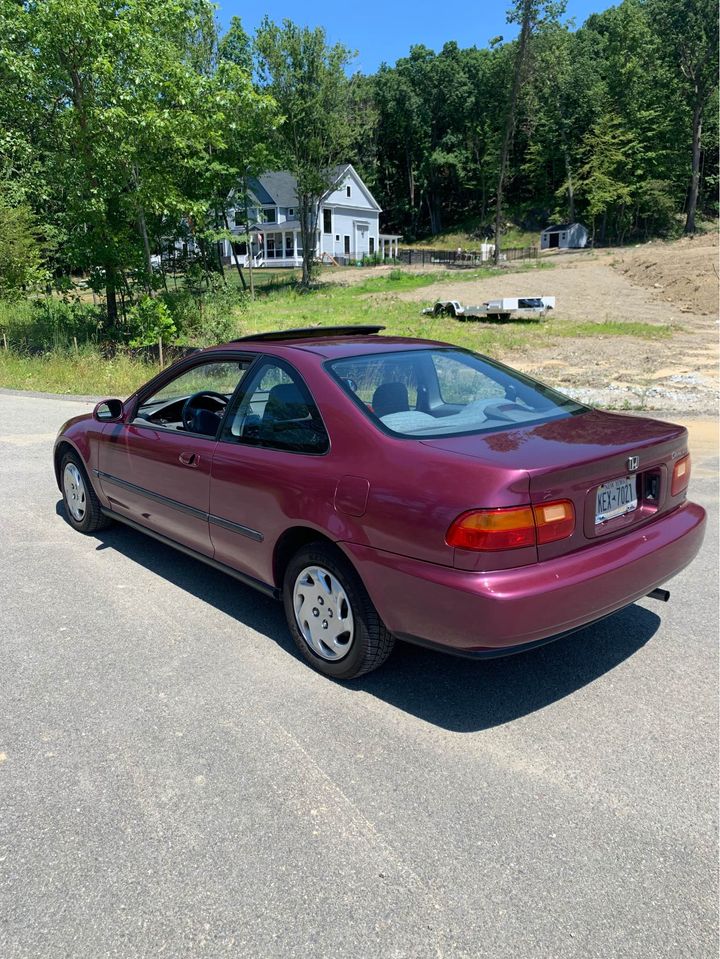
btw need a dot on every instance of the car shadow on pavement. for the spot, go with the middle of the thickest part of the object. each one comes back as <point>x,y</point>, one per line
<point>460,695</point>
<point>465,695</point>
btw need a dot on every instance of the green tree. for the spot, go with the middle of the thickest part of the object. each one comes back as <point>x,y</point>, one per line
<point>689,33</point>
<point>307,79</point>
<point>22,266</point>
<point>529,14</point>
<point>135,120</point>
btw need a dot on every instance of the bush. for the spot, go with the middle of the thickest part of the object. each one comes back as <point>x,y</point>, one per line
<point>149,321</point>
<point>208,319</point>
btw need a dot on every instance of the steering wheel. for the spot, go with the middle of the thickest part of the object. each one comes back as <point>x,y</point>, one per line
<point>191,405</point>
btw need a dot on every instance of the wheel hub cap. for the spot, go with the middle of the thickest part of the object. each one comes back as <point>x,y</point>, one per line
<point>74,489</point>
<point>323,613</point>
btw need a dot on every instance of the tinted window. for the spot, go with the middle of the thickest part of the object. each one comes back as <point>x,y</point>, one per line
<point>276,410</point>
<point>442,392</point>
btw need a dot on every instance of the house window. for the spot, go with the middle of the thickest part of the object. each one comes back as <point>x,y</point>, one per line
<point>337,237</point>
<point>327,221</point>
<point>238,218</point>
<point>274,246</point>
<point>372,245</point>
<point>289,250</point>
<point>346,241</point>
<point>291,211</point>
<point>270,214</point>
<point>348,190</point>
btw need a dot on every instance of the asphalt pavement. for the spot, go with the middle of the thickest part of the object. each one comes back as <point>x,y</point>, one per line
<point>175,782</point>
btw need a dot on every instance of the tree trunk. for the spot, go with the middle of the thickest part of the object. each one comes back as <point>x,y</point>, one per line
<point>142,227</point>
<point>307,242</point>
<point>510,120</point>
<point>234,254</point>
<point>111,295</point>
<point>435,213</point>
<point>146,248</point>
<point>695,181</point>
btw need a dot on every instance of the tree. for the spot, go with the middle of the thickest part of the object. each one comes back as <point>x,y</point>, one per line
<point>307,79</point>
<point>21,251</point>
<point>528,13</point>
<point>689,31</point>
<point>136,121</point>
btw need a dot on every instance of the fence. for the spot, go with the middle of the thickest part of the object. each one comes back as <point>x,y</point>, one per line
<point>464,259</point>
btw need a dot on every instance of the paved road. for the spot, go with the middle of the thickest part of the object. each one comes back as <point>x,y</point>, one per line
<point>175,783</point>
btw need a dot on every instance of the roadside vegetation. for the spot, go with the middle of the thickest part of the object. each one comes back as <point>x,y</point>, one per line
<point>53,359</point>
<point>120,176</point>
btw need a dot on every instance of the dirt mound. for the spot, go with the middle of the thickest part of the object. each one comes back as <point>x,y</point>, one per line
<point>684,273</point>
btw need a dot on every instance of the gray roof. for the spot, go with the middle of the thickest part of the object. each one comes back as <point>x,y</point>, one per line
<point>280,188</point>
<point>276,227</point>
<point>561,227</point>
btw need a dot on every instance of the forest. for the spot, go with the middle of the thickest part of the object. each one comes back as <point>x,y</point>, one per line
<point>128,125</point>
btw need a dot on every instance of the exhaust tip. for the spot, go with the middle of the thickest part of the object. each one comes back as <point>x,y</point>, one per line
<point>662,594</point>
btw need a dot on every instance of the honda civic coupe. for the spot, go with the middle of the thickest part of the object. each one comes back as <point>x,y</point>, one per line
<point>390,488</point>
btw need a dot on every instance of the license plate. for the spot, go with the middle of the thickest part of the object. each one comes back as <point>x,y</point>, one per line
<point>615,498</point>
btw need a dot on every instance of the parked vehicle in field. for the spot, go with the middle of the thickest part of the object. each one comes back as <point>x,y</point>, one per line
<point>385,487</point>
<point>502,309</point>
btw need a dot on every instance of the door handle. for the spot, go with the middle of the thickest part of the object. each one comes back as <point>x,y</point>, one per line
<point>189,459</point>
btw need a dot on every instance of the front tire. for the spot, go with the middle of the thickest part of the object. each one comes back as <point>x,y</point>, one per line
<point>332,619</point>
<point>82,507</point>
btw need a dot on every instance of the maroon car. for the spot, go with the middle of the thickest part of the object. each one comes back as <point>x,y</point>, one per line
<point>386,487</point>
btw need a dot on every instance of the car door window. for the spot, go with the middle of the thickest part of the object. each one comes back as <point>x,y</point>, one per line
<point>276,410</point>
<point>194,400</point>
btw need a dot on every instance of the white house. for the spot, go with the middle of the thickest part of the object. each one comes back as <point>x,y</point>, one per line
<point>348,223</point>
<point>564,236</point>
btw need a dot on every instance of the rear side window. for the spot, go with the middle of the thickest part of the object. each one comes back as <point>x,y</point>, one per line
<point>276,410</point>
<point>445,392</point>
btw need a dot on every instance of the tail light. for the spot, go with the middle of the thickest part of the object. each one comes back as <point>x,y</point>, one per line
<point>512,528</point>
<point>681,475</point>
<point>554,521</point>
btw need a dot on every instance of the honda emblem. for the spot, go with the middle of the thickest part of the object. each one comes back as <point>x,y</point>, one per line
<point>632,463</point>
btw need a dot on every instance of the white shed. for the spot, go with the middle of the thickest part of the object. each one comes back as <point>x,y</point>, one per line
<point>564,236</point>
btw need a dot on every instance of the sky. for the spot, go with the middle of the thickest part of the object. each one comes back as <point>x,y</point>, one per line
<point>384,30</point>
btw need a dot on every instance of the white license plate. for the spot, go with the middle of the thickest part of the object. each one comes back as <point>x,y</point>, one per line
<point>615,498</point>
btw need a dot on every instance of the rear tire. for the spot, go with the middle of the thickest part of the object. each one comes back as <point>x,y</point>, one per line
<point>331,618</point>
<point>82,507</point>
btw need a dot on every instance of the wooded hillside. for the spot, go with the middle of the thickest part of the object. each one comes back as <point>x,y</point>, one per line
<point>124,127</point>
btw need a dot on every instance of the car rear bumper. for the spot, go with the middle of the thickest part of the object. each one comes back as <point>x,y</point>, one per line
<point>497,612</point>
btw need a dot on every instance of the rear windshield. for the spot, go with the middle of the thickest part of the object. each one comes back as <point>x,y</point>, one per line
<point>445,392</point>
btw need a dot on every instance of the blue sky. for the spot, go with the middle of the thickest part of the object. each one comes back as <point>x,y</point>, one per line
<point>385,30</point>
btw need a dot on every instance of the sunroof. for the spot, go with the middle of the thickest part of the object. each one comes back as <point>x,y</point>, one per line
<point>311,332</point>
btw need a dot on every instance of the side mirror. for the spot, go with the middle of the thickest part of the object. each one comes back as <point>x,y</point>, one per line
<point>109,411</point>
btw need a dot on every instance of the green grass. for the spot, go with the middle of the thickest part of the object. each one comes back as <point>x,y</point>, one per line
<point>644,331</point>
<point>462,235</point>
<point>374,300</point>
<point>86,373</point>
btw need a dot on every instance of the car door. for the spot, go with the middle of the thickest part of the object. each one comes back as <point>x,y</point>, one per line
<point>155,467</point>
<point>269,469</point>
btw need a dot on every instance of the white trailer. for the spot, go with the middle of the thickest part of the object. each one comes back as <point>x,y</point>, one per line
<point>502,309</point>
<point>524,305</point>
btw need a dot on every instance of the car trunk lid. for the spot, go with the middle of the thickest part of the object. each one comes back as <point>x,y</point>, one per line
<point>572,457</point>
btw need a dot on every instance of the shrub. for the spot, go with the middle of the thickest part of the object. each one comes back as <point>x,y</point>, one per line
<point>150,320</point>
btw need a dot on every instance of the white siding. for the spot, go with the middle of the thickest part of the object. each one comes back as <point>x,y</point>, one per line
<point>359,224</point>
<point>357,198</point>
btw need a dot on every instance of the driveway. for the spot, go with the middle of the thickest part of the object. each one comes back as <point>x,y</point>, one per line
<point>174,782</point>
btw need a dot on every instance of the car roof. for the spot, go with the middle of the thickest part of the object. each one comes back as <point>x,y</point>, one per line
<point>330,347</point>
